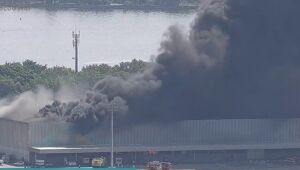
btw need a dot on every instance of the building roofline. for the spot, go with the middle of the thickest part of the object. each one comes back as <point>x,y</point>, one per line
<point>12,120</point>
<point>144,148</point>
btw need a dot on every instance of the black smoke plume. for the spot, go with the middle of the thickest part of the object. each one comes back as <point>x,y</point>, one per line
<point>241,59</point>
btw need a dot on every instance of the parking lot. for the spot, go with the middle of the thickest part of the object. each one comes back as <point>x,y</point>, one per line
<point>255,166</point>
<point>8,166</point>
<point>252,166</point>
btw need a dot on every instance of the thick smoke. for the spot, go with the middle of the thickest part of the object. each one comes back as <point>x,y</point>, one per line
<point>24,107</point>
<point>240,60</point>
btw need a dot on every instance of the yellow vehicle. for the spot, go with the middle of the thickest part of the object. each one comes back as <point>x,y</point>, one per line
<point>99,162</point>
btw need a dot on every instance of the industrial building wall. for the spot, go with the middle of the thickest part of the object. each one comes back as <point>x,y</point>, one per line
<point>194,132</point>
<point>14,138</point>
<point>50,134</point>
<point>208,132</point>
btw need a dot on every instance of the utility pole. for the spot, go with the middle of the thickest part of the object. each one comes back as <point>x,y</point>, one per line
<point>112,136</point>
<point>113,110</point>
<point>76,37</point>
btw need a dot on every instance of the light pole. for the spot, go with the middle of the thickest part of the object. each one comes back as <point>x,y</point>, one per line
<point>112,136</point>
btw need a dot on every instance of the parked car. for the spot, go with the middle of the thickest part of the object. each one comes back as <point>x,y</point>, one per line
<point>19,163</point>
<point>166,165</point>
<point>39,163</point>
<point>72,164</point>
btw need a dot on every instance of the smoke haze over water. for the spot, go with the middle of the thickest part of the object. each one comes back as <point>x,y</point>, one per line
<point>240,60</point>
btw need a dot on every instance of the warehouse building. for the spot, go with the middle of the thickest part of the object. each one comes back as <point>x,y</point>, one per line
<point>190,141</point>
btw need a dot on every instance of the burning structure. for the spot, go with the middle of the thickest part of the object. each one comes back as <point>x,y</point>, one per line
<point>190,141</point>
<point>238,61</point>
<point>231,84</point>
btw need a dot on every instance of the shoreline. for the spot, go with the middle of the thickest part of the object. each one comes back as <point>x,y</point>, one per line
<point>98,7</point>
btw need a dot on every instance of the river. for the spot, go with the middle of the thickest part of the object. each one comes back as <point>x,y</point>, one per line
<point>108,37</point>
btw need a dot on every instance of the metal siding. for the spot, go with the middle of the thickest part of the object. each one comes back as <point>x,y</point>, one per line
<point>50,134</point>
<point>14,138</point>
<point>191,132</point>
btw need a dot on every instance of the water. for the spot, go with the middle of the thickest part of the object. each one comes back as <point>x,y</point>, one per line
<point>106,36</point>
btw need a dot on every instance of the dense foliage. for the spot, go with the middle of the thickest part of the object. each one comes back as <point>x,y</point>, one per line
<point>19,77</point>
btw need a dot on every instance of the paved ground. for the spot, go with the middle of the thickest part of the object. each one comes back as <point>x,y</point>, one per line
<point>253,166</point>
<point>262,166</point>
<point>9,166</point>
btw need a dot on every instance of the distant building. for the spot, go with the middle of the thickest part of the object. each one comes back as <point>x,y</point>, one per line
<point>191,141</point>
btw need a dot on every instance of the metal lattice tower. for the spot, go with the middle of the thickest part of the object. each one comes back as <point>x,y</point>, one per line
<point>76,39</point>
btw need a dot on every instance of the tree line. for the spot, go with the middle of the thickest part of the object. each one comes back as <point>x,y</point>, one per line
<point>18,77</point>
